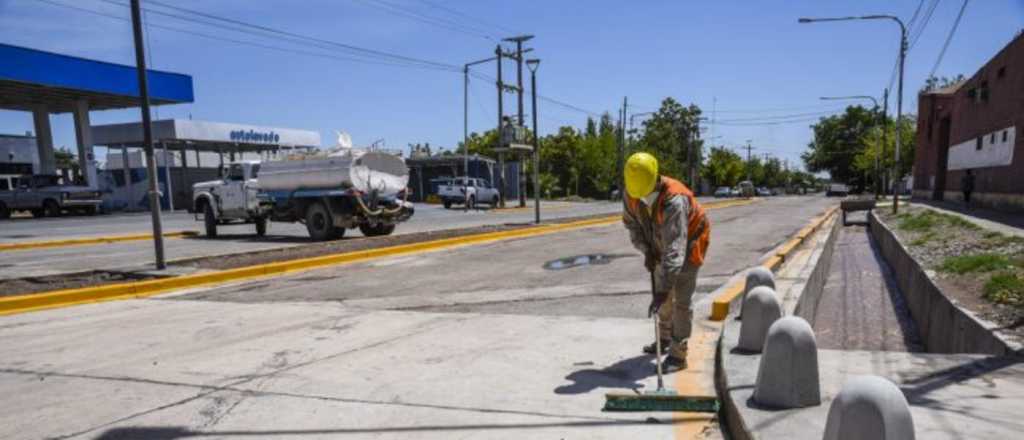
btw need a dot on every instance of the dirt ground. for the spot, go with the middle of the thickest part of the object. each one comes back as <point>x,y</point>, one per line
<point>933,245</point>
<point>20,286</point>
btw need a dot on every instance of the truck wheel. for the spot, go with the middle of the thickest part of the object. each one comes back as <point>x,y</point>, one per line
<point>51,208</point>
<point>495,201</point>
<point>338,233</point>
<point>318,222</point>
<point>447,204</point>
<point>261,226</point>
<point>210,221</point>
<point>5,212</point>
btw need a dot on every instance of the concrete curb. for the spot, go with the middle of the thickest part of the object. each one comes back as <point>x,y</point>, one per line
<point>945,327</point>
<point>139,289</point>
<point>89,240</point>
<point>723,301</point>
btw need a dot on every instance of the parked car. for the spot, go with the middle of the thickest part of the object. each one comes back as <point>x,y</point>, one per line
<point>45,196</point>
<point>837,190</point>
<point>763,192</point>
<point>478,190</point>
<point>723,191</point>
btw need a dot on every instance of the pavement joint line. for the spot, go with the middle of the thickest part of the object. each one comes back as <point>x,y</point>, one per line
<point>89,240</point>
<point>721,304</point>
<point>141,289</point>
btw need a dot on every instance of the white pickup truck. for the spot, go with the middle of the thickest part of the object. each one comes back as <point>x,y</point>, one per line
<point>479,191</point>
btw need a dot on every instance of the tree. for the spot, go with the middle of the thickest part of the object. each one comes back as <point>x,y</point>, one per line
<point>936,83</point>
<point>838,139</point>
<point>724,167</point>
<point>774,174</point>
<point>670,134</point>
<point>864,162</point>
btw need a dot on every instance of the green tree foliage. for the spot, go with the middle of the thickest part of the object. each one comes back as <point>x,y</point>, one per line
<point>940,82</point>
<point>837,141</point>
<point>670,134</point>
<point>865,163</point>
<point>724,167</point>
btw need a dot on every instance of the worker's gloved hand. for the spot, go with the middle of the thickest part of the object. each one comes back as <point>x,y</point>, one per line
<point>656,301</point>
<point>650,261</point>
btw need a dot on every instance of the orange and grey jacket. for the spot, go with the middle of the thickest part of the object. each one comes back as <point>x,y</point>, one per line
<point>674,229</point>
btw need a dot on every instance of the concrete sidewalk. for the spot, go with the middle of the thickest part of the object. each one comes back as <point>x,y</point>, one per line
<point>1007,223</point>
<point>210,369</point>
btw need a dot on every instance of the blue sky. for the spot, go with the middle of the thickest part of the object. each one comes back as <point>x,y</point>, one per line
<point>747,59</point>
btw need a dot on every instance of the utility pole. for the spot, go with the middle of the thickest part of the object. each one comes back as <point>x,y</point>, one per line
<point>522,121</point>
<point>885,139</point>
<point>501,111</point>
<point>147,136</point>
<point>465,129</point>
<point>622,145</point>
<point>749,163</point>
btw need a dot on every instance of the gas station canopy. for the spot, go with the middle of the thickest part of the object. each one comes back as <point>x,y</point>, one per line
<point>30,77</point>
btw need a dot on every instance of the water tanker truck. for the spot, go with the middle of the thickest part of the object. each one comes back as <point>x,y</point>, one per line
<point>328,193</point>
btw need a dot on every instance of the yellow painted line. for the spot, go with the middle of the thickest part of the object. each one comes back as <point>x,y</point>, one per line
<point>140,289</point>
<point>720,306</point>
<point>89,241</point>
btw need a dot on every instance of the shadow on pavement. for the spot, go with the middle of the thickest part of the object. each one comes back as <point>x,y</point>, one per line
<point>1011,219</point>
<point>177,432</point>
<point>626,373</point>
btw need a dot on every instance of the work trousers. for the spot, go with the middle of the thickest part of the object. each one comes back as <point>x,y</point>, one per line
<point>675,315</point>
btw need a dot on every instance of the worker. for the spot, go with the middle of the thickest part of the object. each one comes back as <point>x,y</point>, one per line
<point>668,226</point>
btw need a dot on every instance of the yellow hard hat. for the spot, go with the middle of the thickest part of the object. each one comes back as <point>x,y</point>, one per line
<point>641,175</point>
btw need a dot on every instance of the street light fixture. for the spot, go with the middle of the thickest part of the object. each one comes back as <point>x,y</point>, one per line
<point>878,169</point>
<point>899,92</point>
<point>533,64</point>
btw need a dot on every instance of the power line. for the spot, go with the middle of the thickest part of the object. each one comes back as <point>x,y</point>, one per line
<point>240,42</point>
<point>357,50</point>
<point>924,24</point>
<point>949,38</point>
<point>395,9</point>
<point>550,100</point>
<point>461,14</point>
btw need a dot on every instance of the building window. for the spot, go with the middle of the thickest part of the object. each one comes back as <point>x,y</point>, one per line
<point>977,145</point>
<point>1004,135</point>
<point>1001,72</point>
<point>983,92</point>
<point>972,93</point>
<point>992,139</point>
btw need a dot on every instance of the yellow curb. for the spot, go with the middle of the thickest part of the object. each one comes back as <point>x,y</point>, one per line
<point>720,306</point>
<point>88,241</point>
<point>139,289</point>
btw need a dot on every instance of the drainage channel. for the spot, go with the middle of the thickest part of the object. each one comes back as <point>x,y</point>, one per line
<point>861,306</point>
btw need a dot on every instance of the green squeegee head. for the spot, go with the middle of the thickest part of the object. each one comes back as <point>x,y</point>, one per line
<point>659,400</point>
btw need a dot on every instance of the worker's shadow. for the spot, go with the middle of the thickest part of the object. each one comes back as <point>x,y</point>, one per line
<point>626,373</point>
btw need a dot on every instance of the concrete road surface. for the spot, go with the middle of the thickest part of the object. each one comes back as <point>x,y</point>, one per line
<point>233,239</point>
<point>514,339</point>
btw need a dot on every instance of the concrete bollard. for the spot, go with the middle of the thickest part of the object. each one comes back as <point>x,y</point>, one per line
<point>761,309</point>
<point>756,276</point>
<point>788,374</point>
<point>869,407</point>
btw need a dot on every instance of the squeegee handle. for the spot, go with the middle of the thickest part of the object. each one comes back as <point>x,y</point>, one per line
<point>657,340</point>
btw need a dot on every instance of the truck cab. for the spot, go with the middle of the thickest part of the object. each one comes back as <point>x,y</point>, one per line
<point>234,198</point>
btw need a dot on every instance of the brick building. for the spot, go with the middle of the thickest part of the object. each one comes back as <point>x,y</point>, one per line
<point>974,126</point>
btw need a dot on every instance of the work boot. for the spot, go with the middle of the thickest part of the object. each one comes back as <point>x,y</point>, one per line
<point>672,364</point>
<point>651,348</point>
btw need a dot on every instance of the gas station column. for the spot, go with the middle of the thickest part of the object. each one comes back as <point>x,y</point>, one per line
<point>44,139</point>
<point>83,134</point>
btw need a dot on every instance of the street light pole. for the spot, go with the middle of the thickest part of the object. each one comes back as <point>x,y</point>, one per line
<point>465,129</point>
<point>899,90</point>
<point>533,64</point>
<point>147,136</point>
